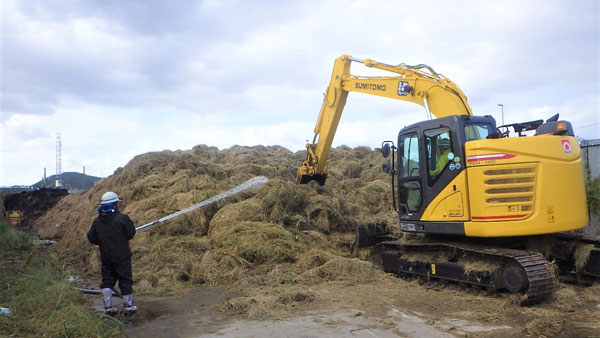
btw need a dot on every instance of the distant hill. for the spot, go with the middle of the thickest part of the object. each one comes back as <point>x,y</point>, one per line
<point>70,180</point>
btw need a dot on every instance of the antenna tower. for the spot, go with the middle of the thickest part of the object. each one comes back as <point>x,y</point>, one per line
<point>58,160</point>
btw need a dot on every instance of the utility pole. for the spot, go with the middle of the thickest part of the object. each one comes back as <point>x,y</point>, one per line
<point>502,106</point>
<point>58,160</point>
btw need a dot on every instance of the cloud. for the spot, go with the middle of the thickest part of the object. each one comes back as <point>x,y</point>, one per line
<point>153,75</point>
<point>25,128</point>
<point>582,112</point>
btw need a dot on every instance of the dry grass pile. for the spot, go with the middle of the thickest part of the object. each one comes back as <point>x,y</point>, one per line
<point>281,243</point>
<point>271,305</point>
<point>280,234</point>
<point>555,319</point>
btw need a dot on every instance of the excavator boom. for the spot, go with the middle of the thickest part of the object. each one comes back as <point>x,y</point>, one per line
<point>417,84</point>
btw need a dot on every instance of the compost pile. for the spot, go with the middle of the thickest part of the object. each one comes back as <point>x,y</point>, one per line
<point>279,233</point>
<point>33,204</point>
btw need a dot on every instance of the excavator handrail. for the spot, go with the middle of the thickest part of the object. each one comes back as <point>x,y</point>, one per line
<point>370,63</point>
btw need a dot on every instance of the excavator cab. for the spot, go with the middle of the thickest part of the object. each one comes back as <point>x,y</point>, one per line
<point>431,155</point>
<point>459,175</point>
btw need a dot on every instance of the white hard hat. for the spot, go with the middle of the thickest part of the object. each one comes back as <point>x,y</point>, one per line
<point>109,197</point>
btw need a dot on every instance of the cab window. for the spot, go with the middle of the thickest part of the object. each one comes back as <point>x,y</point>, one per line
<point>477,131</point>
<point>439,152</point>
<point>409,186</point>
<point>409,150</point>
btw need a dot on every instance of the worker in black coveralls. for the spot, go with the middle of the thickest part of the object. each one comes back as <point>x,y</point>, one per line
<point>112,231</point>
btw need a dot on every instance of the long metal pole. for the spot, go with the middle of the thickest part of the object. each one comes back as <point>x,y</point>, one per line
<point>246,185</point>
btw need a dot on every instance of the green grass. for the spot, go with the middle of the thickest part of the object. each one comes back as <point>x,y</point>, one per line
<point>13,239</point>
<point>592,188</point>
<point>43,303</point>
<point>593,194</point>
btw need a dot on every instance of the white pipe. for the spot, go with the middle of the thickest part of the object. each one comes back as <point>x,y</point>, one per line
<point>248,184</point>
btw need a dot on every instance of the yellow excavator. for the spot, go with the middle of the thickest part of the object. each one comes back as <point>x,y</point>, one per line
<point>491,210</point>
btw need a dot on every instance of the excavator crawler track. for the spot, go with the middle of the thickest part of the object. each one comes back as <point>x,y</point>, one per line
<point>508,270</point>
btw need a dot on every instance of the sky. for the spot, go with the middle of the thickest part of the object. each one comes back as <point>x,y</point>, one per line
<point>118,78</point>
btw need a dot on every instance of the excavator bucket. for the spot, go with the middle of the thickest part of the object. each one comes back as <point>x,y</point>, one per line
<point>296,177</point>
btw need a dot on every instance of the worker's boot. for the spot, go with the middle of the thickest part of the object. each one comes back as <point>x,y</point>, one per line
<point>128,303</point>
<point>107,299</point>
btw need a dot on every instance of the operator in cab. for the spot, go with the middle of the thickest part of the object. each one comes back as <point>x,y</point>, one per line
<point>444,150</point>
<point>111,231</point>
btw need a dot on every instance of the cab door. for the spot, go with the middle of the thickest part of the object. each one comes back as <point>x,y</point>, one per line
<point>410,171</point>
<point>430,158</point>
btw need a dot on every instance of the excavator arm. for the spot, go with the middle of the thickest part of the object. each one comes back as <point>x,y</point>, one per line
<point>417,84</point>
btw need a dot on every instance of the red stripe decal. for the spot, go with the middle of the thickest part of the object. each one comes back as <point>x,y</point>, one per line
<point>489,157</point>
<point>498,217</point>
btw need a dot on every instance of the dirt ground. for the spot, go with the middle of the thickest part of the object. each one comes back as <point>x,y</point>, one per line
<point>384,308</point>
